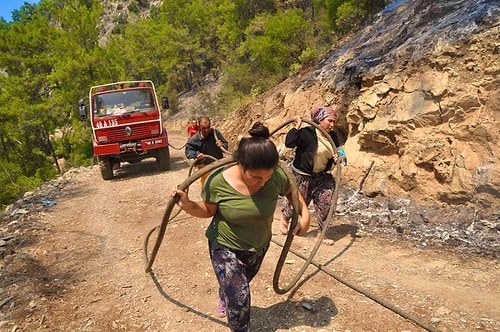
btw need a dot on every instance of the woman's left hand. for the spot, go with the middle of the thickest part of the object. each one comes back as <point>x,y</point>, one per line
<point>304,222</point>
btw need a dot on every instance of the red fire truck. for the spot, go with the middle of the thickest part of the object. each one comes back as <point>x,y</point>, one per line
<point>126,125</point>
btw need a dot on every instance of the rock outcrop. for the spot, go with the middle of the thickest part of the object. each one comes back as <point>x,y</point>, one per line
<point>418,98</point>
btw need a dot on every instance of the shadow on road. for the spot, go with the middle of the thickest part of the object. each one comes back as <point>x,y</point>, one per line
<point>182,305</point>
<point>336,233</point>
<point>283,315</point>
<point>288,314</point>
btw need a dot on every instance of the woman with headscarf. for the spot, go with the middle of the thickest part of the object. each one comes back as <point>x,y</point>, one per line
<point>314,157</point>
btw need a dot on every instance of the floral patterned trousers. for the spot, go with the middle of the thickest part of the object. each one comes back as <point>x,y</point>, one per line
<point>318,188</point>
<point>234,270</point>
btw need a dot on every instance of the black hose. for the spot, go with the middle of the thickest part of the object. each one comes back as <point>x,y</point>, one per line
<point>170,205</point>
<point>358,289</point>
<point>288,241</point>
<point>173,147</point>
<point>222,148</point>
<point>286,246</point>
<point>295,203</point>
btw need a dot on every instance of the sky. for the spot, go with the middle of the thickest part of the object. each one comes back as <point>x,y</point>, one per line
<point>7,6</point>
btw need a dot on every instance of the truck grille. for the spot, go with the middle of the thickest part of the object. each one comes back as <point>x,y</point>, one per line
<point>130,132</point>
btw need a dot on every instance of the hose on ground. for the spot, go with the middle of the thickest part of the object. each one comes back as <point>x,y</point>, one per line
<point>286,246</point>
<point>366,293</point>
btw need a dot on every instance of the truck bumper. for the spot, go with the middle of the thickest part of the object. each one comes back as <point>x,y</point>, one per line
<point>141,146</point>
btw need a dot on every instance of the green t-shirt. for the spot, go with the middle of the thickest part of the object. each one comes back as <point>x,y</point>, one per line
<point>243,222</point>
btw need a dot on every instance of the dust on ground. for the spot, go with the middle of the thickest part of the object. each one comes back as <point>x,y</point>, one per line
<point>73,260</point>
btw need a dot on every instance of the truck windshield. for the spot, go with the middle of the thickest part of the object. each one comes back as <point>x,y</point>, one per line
<point>122,102</point>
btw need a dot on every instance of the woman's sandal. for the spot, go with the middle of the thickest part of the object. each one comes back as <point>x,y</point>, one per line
<point>221,308</point>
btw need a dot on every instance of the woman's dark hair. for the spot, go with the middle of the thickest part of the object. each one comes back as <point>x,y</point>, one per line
<point>257,151</point>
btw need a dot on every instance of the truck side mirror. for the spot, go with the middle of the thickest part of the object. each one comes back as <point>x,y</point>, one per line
<point>164,103</point>
<point>82,110</point>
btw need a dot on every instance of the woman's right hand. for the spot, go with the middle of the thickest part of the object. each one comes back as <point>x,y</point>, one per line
<point>199,209</point>
<point>298,121</point>
<point>182,197</point>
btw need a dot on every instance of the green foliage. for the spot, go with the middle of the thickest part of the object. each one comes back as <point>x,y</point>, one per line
<point>348,15</point>
<point>53,52</point>
<point>230,99</point>
<point>239,77</point>
<point>26,11</point>
<point>133,7</point>
<point>331,10</point>
<point>13,182</point>
<point>9,181</point>
<point>308,55</point>
<point>118,29</point>
<point>274,44</point>
<point>47,66</point>
<point>154,12</point>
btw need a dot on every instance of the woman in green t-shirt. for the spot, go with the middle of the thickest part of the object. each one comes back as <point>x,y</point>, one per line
<point>241,199</point>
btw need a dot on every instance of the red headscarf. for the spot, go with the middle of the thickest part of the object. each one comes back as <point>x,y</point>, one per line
<point>320,113</point>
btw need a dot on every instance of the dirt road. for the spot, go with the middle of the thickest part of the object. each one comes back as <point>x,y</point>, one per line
<point>79,266</point>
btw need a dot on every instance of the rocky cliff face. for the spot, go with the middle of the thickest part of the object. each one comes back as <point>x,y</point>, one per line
<point>418,96</point>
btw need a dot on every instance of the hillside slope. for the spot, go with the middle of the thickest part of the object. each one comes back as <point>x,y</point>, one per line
<point>417,92</point>
<point>72,258</point>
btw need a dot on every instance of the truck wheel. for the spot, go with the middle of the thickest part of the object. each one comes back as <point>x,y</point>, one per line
<point>163,159</point>
<point>106,167</point>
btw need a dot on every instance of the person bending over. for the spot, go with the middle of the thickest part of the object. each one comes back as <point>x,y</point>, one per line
<point>207,142</point>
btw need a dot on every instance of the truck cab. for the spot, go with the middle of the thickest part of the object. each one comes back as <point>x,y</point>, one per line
<point>126,125</point>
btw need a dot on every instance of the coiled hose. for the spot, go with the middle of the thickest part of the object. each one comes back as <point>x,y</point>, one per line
<point>170,205</point>
<point>295,204</point>
<point>286,246</point>
<point>288,241</point>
